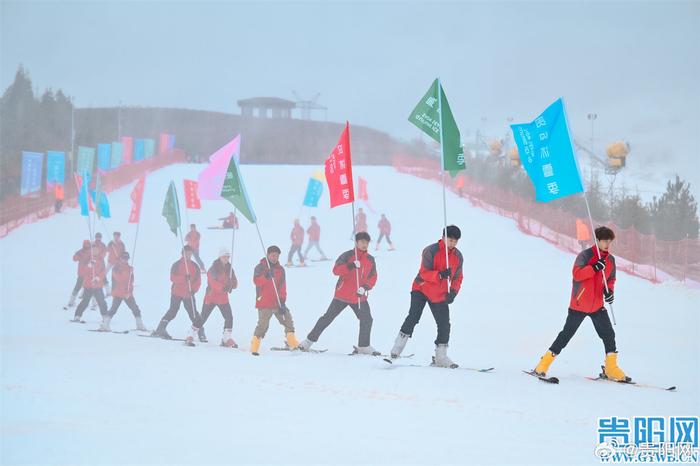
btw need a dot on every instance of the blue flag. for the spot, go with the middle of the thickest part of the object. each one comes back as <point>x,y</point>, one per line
<point>547,153</point>
<point>103,156</point>
<point>313,192</point>
<point>101,206</point>
<point>83,195</point>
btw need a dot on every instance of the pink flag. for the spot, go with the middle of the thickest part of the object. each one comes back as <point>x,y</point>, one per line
<point>163,143</point>
<point>137,200</point>
<point>211,179</point>
<point>339,171</point>
<point>128,149</point>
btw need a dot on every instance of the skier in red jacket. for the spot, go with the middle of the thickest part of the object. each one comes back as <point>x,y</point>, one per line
<point>186,279</point>
<point>297,237</point>
<point>357,274</point>
<point>436,285</point>
<point>93,275</point>
<point>115,248</point>
<point>221,280</point>
<point>192,238</point>
<point>271,299</point>
<point>314,232</point>
<point>122,291</point>
<point>82,257</point>
<point>384,226</point>
<point>588,298</point>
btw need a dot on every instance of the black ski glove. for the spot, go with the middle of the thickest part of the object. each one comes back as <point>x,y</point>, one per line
<point>283,307</point>
<point>599,265</point>
<point>449,299</point>
<point>609,296</point>
<point>445,273</point>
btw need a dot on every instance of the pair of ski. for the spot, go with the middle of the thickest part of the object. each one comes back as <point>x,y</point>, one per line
<point>390,361</point>
<point>119,332</point>
<point>603,377</point>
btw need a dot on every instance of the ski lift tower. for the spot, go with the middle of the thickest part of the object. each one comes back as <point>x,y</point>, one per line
<point>307,105</point>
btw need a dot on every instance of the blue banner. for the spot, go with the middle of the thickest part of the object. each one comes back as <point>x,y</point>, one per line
<point>86,160</point>
<point>313,192</point>
<point>149,148</point>
<point>547,153</point>
<point>117,154</point>
<point>104,152</point>
<point>83,195</point>
<point>101,206</point>
<point>31,172</point>
<point>139,147</point>
<point>55,168</point>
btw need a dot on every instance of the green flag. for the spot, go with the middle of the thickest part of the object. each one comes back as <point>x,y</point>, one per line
<point>426,116</point>
<point>234,191</point>
<point>171,208</point>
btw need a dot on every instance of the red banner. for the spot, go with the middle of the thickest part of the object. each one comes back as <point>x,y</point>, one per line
<point>136,200</point>
<point>362,189</point>
<point>192,200</point>
<point>339,171</point>
<point>128,149</point>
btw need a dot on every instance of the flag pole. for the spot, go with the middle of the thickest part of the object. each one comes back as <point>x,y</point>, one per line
<point>133,254</point>
<point>233,238</point>
<point>357,271</point>
<point>444,196</point>
<point>269,267</point>
<point>597,247</point>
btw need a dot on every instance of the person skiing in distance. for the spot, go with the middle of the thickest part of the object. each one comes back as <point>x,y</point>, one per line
<point>229,222</point>
<point>122,291</point>
<point>93,281</point>
<point>192,239</point>
<point>314,232</point>
<point>82,257</point>
<point>221,280</point>
<point>357,274</point>
<point>588,298</point>
<point>384,226</point>
<point>437,285</point>
<point>186,279</point>
<point>297,237</point>
<point>270,299</point>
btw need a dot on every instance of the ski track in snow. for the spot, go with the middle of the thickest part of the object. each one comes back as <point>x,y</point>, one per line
<point>70,396</point>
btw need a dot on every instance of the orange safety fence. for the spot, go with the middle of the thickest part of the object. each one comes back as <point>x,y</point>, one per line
<point>637,253</point>
<point>19,210</point>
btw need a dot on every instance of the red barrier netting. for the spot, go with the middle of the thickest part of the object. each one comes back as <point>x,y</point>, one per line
<point>18,210</point>
<point>638,254</point>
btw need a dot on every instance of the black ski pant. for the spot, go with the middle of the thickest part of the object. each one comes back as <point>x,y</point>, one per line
<point>78,285</point>
<point>198,259</point>
<point>225,313</point>
<point>601,323</point>
<point>384,235</point>
<point>363,313</point>
<point>88,294</point>
<point>297,249</point>
<point>441,314</point>
<point>175,302</point>
<point>130,302</point>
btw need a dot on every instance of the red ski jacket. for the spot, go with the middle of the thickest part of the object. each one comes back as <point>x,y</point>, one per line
<point>221,279</point>
<point>384,226</point>
<point>94,274</point>
<point>314,232</point>
<point>433,262</point>
<point>114,251</point>
<point>82,257</point>
<point>297,235</point>
<point>265,297</point>
<point>587,284</point>
<point>178,275</point>
<point>346,288</point>
<point>122,280</point>
<point>102,248</point>
<point>192,239</point>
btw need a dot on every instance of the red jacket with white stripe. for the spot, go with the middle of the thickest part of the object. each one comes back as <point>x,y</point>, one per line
<point>433,262</point>
<point>347,285</point>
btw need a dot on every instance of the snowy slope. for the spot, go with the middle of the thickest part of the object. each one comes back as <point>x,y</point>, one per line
<point>70,396</point>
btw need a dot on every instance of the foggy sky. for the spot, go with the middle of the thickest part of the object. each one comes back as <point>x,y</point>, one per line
<point>635,64</point>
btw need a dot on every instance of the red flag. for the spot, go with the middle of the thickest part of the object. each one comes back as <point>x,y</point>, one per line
<point>362,188</point>
<point>339,171</point>
<point>192,200</point>
<point>136,200</point>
